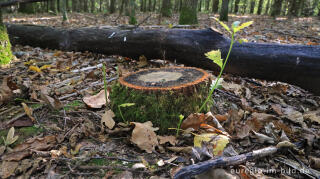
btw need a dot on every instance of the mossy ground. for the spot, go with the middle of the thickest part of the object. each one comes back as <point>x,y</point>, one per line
<point>5,46</point>
<point>162,108</point>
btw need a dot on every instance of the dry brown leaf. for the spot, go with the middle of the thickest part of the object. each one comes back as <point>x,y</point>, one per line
<point>96,101</point>
<point>193,121</point>
<point>8,168</point>
<point>107,119</point>
<point>142,61</point>
<point>313,116</point>
<point>23,150</point>
<point>164,139</point>
<point>5,92</point>
<point>144,137</point>
<point>28,111</point>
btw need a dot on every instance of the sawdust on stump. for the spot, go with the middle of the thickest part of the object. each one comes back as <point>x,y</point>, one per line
<point>160,95</point>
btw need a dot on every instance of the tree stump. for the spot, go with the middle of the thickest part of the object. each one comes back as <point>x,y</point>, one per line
<point>161,95</point>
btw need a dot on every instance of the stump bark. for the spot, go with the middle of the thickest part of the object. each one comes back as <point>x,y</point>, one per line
<point>160,95</point>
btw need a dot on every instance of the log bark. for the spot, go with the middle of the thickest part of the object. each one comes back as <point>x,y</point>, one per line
<point>15,2</point>
<point>295,64</point>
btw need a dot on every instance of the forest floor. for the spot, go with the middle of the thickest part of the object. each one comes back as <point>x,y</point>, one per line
<point>44,95</point>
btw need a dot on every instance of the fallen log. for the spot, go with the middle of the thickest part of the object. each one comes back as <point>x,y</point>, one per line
<point>295,64</point>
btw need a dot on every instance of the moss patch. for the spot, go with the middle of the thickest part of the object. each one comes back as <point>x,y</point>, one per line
<point>5,46</point>
<point>73,105</point>
<point>161,107</point>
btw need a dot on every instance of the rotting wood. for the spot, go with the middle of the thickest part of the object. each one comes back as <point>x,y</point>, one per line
<point>295,64</point>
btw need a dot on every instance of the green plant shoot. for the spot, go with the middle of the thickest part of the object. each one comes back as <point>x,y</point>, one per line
<point>10,137</point>
<point>124,105</point>
<point>179,124</point>
<point>215,55</point>
<point>105,82</point>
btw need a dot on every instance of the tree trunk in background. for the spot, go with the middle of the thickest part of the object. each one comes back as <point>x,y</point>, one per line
<point>236,6</point>
<point>53,6</point>
<point>244,7</point>
<point>293,8</point>
<point>207,5</point>
<point>144,5</point>
<point>74,5</point>
<point>58,6</point>
<point>166,9</point>
<point>112,6</point>
<point>215,6</point>
<point>154,6</point>
<point>132,11</point>
<point>85,6</point>
<point>28,8</point>
<point>314,6</point>
<point>188,13</point>
<point>150,5</point>
<point>64,12</point>
<point>92,8</point>
<point>68,6</point>
<point>300,7</point>
<point>176,5</point>
<point>276,8</point>
<point>224,11</point>
<point>260,7</point>
<point>267,8</point>
<point>199,5</point>
<point>252,4</point>
<point>230,6</point>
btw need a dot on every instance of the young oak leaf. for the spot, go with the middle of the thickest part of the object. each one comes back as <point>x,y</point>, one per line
<point>223,25</point>
<point>10,137</point>
<point>242,26</point>
<point>215,56</point>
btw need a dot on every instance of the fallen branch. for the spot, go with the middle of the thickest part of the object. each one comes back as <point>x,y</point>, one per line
<point>202,167</point>
<point>295,64</point>
<point>14,2</point>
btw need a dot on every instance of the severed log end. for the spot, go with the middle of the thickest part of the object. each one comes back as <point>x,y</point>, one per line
<point>160,95</point>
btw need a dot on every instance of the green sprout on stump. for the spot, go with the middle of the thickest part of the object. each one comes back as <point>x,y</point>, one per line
<point>124,105</point>
<point>215,55</point>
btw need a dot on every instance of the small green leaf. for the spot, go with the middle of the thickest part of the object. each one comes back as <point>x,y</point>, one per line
<point>215,56</point>
<point>242,40</point>
<point>223,25</point>
<point>242,26</point>
<point>126,104</point>
<point>181,117</point>
<point>235,24</point>
<point>10,137</point>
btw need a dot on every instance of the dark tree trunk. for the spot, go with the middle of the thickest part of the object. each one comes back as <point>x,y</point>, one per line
<point>74,6</point>
<point>215,6</point>
<point>188,13</point>
<point>112,6</point>
<point>207,5</point>
<point>293,8</point>
<point>296,64</point>
<point>92,6</point>
<point>267,8</point>
<point>260,7</point>
<point>236,6</point>
<point>224,11</point>
<point>276,8</point>
<point>252,4</point>
<point>150,5</point>
<point>85,6</point>
<point>166,8</point>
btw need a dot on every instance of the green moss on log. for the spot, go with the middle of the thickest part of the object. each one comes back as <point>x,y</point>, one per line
<point>5,46</point>
<point>162,107</point>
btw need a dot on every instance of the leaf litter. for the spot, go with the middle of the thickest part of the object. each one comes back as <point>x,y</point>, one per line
<point>79,136</point>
